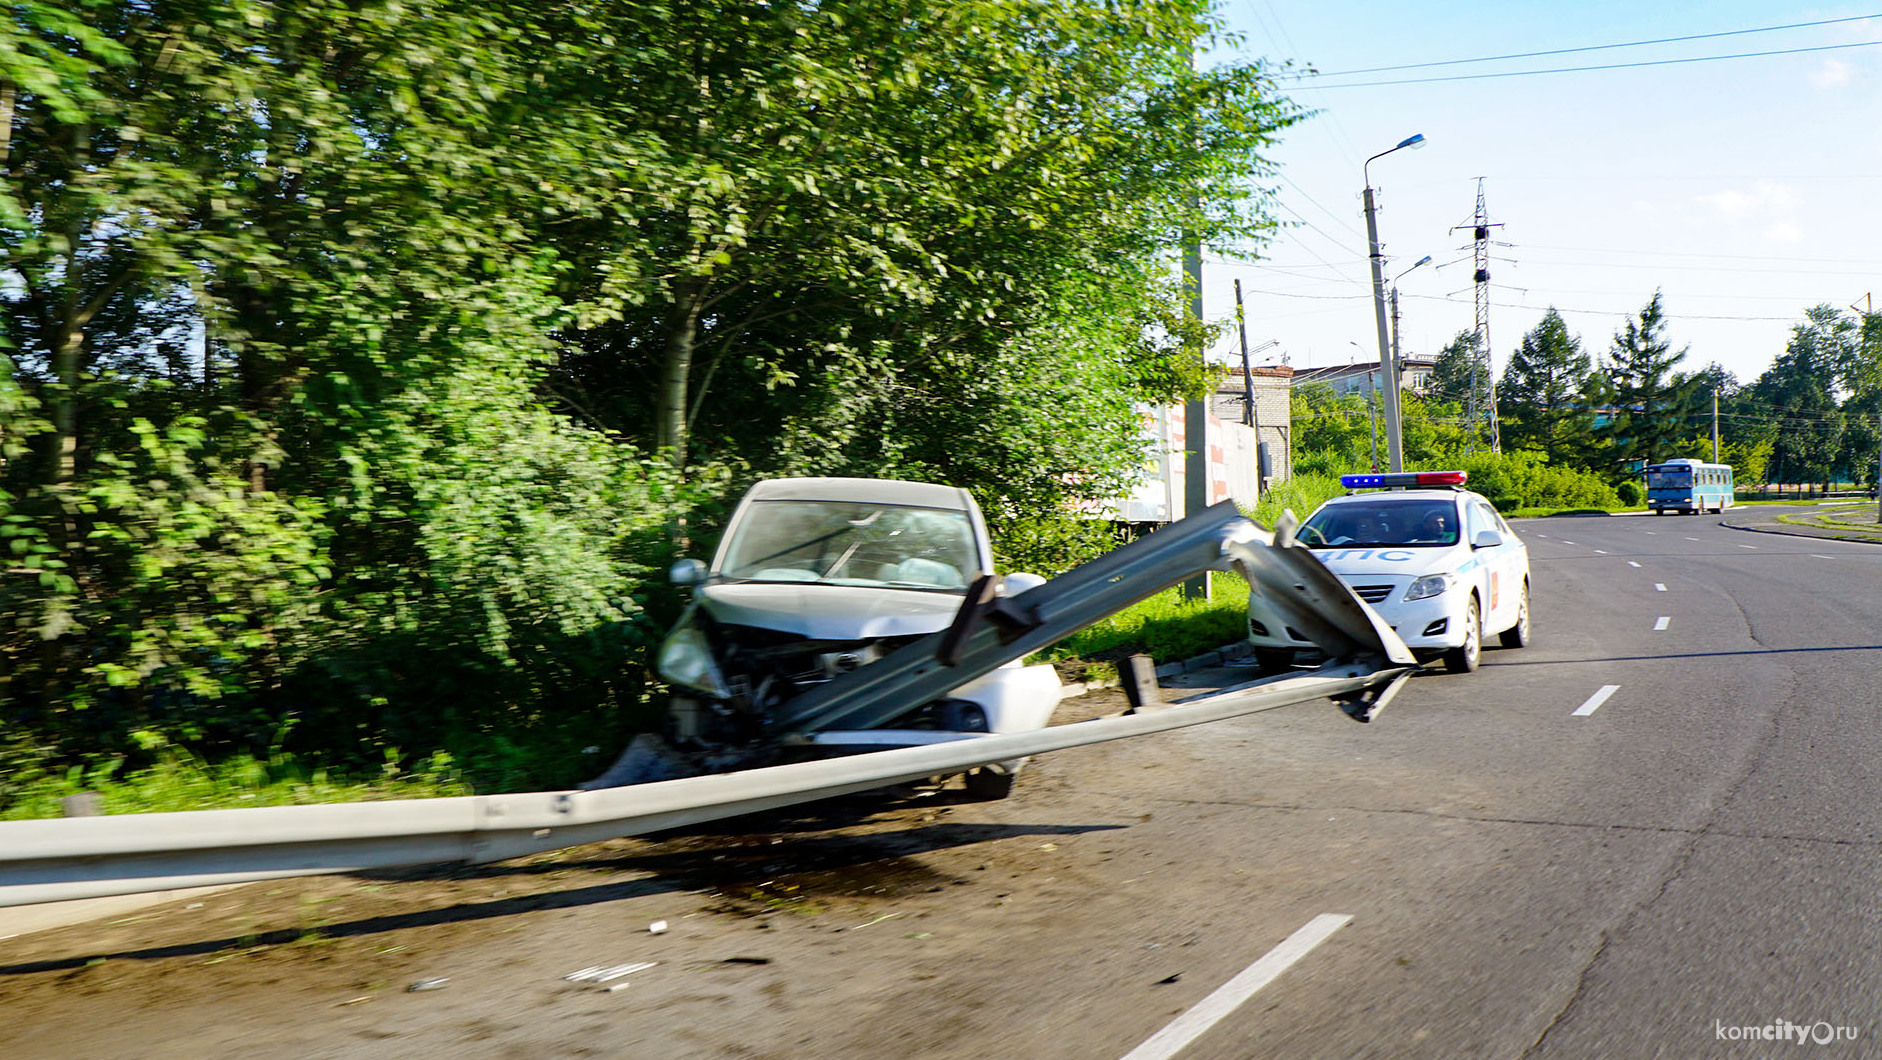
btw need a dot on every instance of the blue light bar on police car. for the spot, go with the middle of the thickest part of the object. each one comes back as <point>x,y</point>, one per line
<point>1405,478</point>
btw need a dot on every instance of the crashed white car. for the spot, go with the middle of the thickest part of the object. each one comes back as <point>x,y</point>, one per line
<point>1436,561</point>
<point>816,577</point>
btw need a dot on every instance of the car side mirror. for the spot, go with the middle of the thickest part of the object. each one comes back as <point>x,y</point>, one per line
<point>686,572</point>
<point>1487,539</point>
<point>1019,583</point>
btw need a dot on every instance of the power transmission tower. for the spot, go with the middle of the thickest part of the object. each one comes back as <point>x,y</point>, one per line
<point>1482,422</point>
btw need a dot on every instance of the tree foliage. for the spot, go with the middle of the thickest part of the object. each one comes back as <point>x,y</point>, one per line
<point>360,359</point>
<point>1544,395</point>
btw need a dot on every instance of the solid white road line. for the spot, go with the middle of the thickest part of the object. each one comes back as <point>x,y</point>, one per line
<point>1653,533</point>
<point>1595,701</point>
<point>1662,622</point>
<point>1659,587</point>
<point>1748,546</point>
<point>1692,539</point>
<point>1813,555</point>
<point>1229,996</point>
<point>1600,552</point>
<point>1631,563</point>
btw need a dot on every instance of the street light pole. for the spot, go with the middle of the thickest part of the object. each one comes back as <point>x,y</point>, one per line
<point>1389,369</point>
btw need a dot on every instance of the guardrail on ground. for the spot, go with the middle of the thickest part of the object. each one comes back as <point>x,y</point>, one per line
<point>90,857</point>
<point>87,857</point>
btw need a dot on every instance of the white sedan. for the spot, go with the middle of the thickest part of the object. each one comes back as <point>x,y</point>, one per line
<point>1436,561</point>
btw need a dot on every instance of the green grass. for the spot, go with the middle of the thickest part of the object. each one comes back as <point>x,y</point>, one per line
<point>1165,627</point>
<point>182,782</point>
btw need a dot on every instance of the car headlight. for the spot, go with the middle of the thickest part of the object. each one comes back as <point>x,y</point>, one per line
<point>686,659</point>
<point>1430,585</point>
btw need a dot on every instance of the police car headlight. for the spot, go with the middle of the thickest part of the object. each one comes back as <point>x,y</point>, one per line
<point>1430,585</point>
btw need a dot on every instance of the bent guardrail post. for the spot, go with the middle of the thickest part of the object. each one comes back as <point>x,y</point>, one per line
<point>991,630</point>
<point>90,857</point>
<point>58,860</point>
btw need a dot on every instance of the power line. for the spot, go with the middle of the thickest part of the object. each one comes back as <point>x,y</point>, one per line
<point>1606,66</point>
<point>1590,48</point>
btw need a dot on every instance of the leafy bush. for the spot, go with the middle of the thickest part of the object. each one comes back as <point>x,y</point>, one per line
<point>1524,480</point>
<point>1630,493</point>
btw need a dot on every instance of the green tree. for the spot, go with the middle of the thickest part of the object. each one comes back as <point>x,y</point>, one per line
<point>1797,397</point>
<point>892,201</point>
<point>1653,403</point>
<point>1543,398</point>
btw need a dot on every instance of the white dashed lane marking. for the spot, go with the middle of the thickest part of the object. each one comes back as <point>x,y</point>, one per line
<point>1662,622</point>
<point>1229,996</point>
<point>1595,701</point>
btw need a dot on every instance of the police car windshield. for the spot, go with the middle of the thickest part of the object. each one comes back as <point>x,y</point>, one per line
<point>1411,523</point>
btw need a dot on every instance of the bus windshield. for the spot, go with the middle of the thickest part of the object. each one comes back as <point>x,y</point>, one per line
<point>1669,478</point>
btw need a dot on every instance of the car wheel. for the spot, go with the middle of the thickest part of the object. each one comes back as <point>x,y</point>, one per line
<point>1465,658</point>
<point>1273,661</point>
<point>985,785</point>
<point>1517,636</point>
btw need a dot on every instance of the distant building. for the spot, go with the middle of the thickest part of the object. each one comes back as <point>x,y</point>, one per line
<point>1273,418</point>
<point>1356,378</point>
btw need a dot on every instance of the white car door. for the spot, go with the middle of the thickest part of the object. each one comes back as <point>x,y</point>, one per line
<point>1501,590</point>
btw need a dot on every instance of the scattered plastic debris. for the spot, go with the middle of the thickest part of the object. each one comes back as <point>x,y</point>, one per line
<point>1167,981</point>
<point>878,920</point>
<point>1048,846</point>
<point>354,1001</point>
<point>746,960</point>
<point>603,978</point>
<point>428,984</point>
<point>658,927</point>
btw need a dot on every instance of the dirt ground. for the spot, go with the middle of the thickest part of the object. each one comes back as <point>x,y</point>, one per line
<point>772,921</point>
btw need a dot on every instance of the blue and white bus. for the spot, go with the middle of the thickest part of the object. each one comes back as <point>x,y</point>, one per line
<point>1688,486</point>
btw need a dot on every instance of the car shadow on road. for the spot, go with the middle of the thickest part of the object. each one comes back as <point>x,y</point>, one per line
<point>742,870</point>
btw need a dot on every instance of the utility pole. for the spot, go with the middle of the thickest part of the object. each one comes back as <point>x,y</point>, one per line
<point>1715,424</point>
<point>1195,412</point>
<point>1482,367</point>
<point>1248,374</point>
<point>1372,393</point>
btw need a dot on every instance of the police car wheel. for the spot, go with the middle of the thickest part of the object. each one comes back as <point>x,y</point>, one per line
<point>1517,636</point>
<point>1465,659</point>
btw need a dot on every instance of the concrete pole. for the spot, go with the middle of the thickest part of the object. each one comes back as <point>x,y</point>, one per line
<point>1387,363</point>
<point>1195,419</point>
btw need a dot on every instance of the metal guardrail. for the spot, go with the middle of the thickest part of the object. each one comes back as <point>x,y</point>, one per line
<point>49,861</point>
<point>88,857</point>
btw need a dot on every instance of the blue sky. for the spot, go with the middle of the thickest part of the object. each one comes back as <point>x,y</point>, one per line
<point>1744,189</point>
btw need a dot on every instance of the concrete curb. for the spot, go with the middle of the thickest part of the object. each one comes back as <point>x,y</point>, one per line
<point>1225,654</point>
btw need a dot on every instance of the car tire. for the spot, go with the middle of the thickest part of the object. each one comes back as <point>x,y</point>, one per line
<point>1517,636</point>
<point>986,785</point>
<point>1467,657</point>
<point>1269,661</point>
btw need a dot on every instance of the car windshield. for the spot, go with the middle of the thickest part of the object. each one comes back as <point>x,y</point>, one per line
<point>852,543</point>
<point>1408,523</point>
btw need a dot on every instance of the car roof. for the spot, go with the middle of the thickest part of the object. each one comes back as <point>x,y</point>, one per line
<point>866,490</point>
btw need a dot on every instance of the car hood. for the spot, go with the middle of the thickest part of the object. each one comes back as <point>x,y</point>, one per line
<point>1405,562</point>
<point>830,612</point>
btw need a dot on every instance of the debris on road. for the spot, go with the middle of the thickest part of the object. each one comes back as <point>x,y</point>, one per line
<point>603,977</point>
<point>428,984</point>
<point>658,927</point>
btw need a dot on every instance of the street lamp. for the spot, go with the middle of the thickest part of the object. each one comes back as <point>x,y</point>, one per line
<point>1386,361</point>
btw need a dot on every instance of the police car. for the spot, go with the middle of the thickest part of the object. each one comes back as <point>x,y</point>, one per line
<point>1434,560</point>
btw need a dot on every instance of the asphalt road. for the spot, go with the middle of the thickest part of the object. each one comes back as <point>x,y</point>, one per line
<point>1695,855</point>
